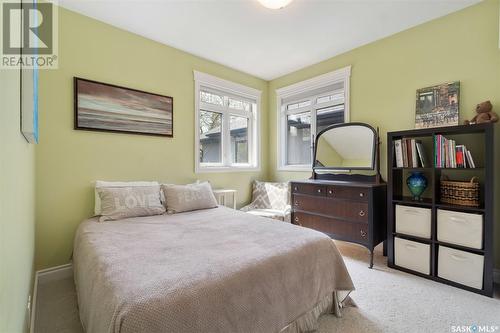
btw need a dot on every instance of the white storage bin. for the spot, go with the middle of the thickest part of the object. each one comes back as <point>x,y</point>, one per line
<point>460,228</point>
<point>412,255</point>
<point>413,221</point>
<point>460,266</point>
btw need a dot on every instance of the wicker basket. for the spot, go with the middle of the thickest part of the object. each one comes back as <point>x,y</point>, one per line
<point>460,193</point>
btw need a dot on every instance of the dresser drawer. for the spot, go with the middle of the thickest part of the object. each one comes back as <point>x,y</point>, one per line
<point>460,228</point>
<point>461,267</point>
<point>412,255</point>
<point>311,189</point>
<point>413,221</point>
<point>349,193</point>
<point>342,230</point>
<point>351,210</point>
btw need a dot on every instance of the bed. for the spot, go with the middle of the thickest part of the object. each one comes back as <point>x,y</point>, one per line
<point>212,270</point>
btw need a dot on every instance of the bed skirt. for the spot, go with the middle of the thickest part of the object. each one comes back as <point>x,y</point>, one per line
<point>308,322</point>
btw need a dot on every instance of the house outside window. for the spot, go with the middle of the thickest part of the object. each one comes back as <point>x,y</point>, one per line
<point>306,108</point>
<point>227,127</point>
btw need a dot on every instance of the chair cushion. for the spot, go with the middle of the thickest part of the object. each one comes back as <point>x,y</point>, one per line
<point>267,195</point>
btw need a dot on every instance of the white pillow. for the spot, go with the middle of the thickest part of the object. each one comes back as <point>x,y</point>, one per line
<point>184,198</point>
<point>102,183</point>
<point>162,195</point>
<point>123,202</point>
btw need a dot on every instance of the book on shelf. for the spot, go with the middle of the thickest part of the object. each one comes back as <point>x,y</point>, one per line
<point>414,156</point>
<point>437,151</point>
<point>470,160</point>
<point>398,153</point>
<point>410,153</point>
<point>405,153</point>
<point>421,154</point>
<point>460,161</point>
<point>447,154</point>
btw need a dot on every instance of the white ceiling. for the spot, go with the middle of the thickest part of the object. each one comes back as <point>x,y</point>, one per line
<point>266,43</point>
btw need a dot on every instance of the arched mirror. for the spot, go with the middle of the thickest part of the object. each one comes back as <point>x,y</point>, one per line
<point>346,147</point>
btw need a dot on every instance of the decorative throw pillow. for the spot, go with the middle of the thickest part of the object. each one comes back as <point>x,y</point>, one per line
<point>123,202</point>
<point>184,198</point>
<point>162,194</point>
<point>267,195</point>
<point>102,183</point>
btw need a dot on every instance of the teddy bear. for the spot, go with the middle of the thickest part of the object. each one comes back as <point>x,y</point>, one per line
<point>484,114</point>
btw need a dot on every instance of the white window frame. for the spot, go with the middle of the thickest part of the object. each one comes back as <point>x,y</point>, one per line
<point>205,81</point>
<point>301,88</point>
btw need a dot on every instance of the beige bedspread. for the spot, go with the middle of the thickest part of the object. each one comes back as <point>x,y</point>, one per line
<point>214,270</point>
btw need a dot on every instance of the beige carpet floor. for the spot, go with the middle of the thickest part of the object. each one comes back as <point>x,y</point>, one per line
<point>387,301</point>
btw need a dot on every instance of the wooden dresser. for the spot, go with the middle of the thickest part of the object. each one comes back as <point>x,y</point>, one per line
<point>344,210</point>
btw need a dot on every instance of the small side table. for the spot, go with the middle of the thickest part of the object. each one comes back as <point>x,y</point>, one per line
<point>222,195</point>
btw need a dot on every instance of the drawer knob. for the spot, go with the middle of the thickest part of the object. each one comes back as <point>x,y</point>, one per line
<point>296,219</point>
<point>363,233</point>
<point>361,194</point>
<point>319,190</point>
<point>362,213</point>
<point>296,203</point>
<point>295,188</point>
<point>330,192</point>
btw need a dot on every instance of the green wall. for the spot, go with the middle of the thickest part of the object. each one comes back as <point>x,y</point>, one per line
<point>385,75</point>
<point>17,209</point>
<point>68,161</point>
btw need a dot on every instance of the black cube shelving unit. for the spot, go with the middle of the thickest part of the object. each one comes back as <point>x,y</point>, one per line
<point>481,138</point>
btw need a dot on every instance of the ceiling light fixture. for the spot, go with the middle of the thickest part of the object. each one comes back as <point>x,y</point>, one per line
<point>275,4</point>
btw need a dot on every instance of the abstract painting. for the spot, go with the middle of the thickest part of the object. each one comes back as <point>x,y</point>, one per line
<point>105,107</point>
<point>438,105</point>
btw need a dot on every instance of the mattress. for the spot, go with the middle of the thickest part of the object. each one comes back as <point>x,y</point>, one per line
<point>213,270</point>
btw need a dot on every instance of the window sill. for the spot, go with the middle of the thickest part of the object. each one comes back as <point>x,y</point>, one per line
<point>226,169</point>
<point>298,168</point>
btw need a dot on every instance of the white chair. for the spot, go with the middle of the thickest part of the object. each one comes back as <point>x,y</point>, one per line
<point>271,200</point>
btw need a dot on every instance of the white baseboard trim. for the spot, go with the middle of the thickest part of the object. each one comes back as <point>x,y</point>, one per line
<point>55,273</point>
<point>44,276</point>
<point>496,275</point>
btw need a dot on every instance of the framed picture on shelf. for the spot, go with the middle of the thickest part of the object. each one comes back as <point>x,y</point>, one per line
<point>105,107</point>
<point>438,106</point>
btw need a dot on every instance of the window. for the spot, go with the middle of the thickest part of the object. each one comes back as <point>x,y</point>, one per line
<point>226,125</point>
<point>210,137</point>
<point>238,127</point>
<point>298,138</point>
<point>305,109</point>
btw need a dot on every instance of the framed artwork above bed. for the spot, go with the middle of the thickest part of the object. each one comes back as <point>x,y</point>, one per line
<point>110,108</point>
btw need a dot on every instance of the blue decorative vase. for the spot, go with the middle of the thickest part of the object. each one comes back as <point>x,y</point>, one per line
<point>417,183</point>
